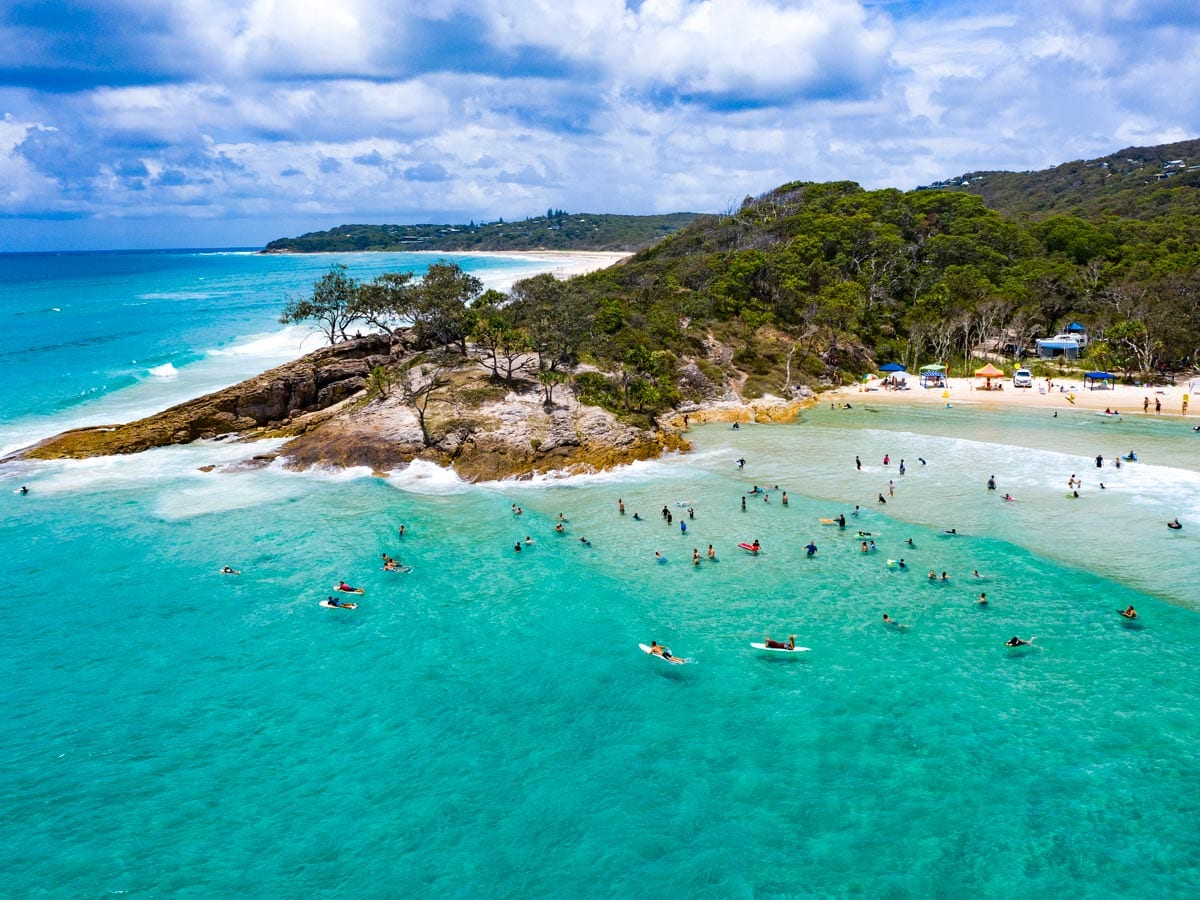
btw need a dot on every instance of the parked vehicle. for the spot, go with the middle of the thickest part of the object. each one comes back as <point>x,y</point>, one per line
<point>1022,378</point>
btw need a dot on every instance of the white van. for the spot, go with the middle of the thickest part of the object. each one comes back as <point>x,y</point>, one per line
<point>1022,378</point>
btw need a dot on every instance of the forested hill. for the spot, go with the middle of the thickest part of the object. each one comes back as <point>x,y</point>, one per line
<point>1137,182</point>
<point>555,231</point>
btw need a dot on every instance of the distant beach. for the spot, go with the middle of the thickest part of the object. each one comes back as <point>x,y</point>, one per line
<point>560,263</point>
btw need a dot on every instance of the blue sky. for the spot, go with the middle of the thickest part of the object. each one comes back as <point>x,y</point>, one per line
<point>145,123</point>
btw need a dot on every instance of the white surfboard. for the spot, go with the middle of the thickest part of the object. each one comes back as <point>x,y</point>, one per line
<point>760,646</point>
<point>328,605</point>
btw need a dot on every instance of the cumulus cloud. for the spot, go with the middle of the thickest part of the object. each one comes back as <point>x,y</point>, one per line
<point>300,110</point>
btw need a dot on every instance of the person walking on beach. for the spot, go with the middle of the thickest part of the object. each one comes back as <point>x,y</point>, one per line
<point>1145,404</point>
<point>1157,406</point>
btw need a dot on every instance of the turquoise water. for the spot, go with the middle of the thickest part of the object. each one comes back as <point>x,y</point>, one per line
<point>486,726</point>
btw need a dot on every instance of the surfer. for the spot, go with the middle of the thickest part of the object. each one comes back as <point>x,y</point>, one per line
<point>882,499</point>
<point>790,644</point>
<point>1015,641</point>
<point>345,588</point>
<point>841,519</point>
<point>755,545</point>
<point>584,541</point>
<point>910,542</point>
<point>741,463</point>
<point>1129,612</point>
<point>1175,524</point>
<point>858,463</point>
<point>949,531</point>
<point>636,518</point>
<point>1009,497</point>
<point>658,649</point>
<point>332,601</point>
<point>227,570</point>
<point>24,490</point>
<point>901,564</point>
<point>811,549</point>
<point>890,622</point>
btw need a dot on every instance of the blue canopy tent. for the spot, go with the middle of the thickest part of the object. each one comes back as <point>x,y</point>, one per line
<point>1076,328</point>
<point>891,367</point>
<point>1100,381</point>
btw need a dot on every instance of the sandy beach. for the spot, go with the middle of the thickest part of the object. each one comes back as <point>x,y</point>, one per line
<point>1064,393</point>
<point>560,263</point>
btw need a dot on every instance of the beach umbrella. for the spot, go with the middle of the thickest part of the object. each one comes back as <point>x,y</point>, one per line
<point>891,367</point>
<point>870,376</point>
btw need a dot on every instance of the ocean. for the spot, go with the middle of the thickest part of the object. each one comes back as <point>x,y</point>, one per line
<point>485,724</point>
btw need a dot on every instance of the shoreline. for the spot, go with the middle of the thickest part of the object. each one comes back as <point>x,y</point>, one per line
<point>1126,399</point>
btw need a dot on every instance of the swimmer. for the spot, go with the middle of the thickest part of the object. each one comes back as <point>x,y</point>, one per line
<point>695,556</point>
<point>1015,641</point>
<point>855,513</point>
<point>528,540</point>
<point>1075,495</point>
<point>621,506</point>
<point>982,599</point>
<point>691,513</point>
<point>658,556</point>
<point>1175,524</point>
<point>1128,612</point>
<point>637,518</point>
<point>949,531</point>
<point>683,527</point>
<point>227,570</point>
<point>975,574</point>
<point>991,482</point>
<point>401,531</point>
<point>932,575</point>
<point>889,621</point>
<point>901,467</point>
<point>921,460</point>
<point>517,547</point>
<point>945,577</point>
<point>736,426</point>
<point>864,547</point>
<point>910,542</point>
<point>559,527</point>
<point>24,490</point>
<point>665,512</point>
<point>784,500</point>
<point>858,463</point>
<point>886,459</point>
<point>862,534</point>
<point>584,541</point>
<point>871,546</point>
<point>743,503</point>
<point>882,499</point>
<point>712,554</point>
<point>1102,487</point>
<point>1009,497</point>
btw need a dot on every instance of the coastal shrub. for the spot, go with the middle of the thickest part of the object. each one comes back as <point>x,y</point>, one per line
<point>475,396</point>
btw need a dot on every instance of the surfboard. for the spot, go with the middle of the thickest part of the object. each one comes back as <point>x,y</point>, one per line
<point>749,548</point>
<point>759,646</point>
<point>403,570</point>
<point>351,591</point>
<point>895,564</point>
<point>675,660</point>
<point>827,521</point>
<point>328,605</point>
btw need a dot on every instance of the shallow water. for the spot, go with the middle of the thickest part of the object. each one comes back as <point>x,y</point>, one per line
<point>486,725</point>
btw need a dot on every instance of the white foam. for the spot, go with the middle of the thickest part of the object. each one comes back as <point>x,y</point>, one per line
<point>423,477</point>
<point>165,372</point>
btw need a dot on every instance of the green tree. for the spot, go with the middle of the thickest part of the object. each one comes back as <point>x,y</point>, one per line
<point>387,301</point>
<point>331,304</point>
<point>440,311</point>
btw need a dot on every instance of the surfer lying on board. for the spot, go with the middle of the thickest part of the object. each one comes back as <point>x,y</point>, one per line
<point>658,649</point>
<point>347,589</point>
<point>1015,641</point>
<point>1129,612</point>
<point>230,571</point>
<point>332,601</point>
<point>790,644</point>
<point>1175,524</point>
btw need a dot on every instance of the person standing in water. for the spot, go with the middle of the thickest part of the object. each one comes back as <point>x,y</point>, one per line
<point>620,506</point>
<point>858,463</point>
